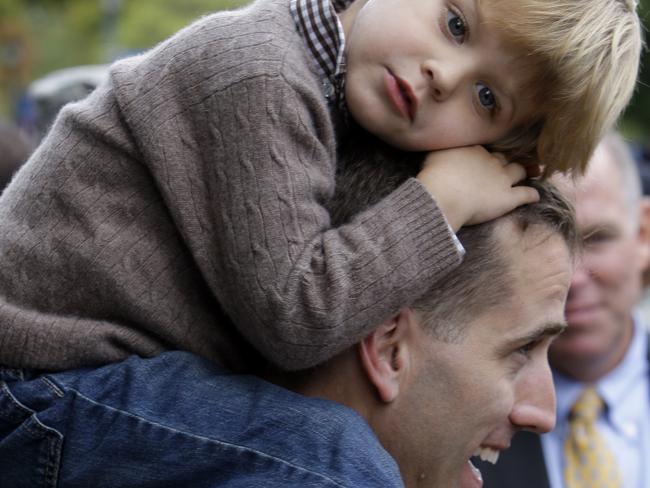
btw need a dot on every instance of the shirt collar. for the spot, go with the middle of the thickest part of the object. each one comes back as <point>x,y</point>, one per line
<point>319,25</point>
<point>616,385</point>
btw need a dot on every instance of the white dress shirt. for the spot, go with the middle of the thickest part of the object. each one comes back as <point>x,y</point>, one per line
<point>625,424</point>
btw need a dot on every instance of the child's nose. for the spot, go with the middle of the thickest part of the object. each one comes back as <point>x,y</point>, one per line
<point>443,78</point>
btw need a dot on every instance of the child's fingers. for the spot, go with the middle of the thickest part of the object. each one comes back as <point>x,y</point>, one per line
<point>501,158</point>
<point>516,172</point>
<point>525,194</point>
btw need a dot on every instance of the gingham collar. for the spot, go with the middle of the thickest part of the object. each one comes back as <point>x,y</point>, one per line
<point>319,25</point>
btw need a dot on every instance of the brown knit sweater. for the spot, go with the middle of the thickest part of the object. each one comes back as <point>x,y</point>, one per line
<point>190,189</point>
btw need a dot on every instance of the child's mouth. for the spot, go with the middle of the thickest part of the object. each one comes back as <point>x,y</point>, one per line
<point>401,95</point>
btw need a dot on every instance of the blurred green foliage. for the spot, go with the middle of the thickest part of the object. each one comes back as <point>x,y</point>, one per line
<point>636,120</point>
<point>147,22</point>
<point>53,34</point>
<point>71,32</point>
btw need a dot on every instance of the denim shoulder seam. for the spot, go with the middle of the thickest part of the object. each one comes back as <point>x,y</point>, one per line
<point>27,412</point>
<point>209,439</point>
<point>14,401</point>
<point>12,373</point>
<point>55,389</point>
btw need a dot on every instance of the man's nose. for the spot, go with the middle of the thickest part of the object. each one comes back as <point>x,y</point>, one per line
<point>534,407</point>
<point>579,275</point>
<point>443,77</point>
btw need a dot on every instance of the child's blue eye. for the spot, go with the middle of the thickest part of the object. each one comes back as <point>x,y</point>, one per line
<point>456,26</point>
<point>485,96</point>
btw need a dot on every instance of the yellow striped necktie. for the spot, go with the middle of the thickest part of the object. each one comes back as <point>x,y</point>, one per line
<point>589,463</point>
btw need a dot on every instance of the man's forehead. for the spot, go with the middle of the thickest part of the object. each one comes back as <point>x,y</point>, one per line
<point>602,171</point>
<point>517,239</point>
<point>540,267</point>
<point>521,321</point>
<point>599,196</point>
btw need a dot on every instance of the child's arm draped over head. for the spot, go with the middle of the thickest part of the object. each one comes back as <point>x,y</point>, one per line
<point>185,195</point>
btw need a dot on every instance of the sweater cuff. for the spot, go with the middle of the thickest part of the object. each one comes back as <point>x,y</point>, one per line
<point>427,228</point>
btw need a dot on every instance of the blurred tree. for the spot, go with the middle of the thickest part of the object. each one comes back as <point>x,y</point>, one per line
<point>16,51</point>
<point>73,32</point>
<point>10,7</point>
<point>144,23</point>
<point>67,33</point>
<point>636,121</point>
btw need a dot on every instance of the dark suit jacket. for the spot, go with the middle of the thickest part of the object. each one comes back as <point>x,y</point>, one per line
<point>521,466</point>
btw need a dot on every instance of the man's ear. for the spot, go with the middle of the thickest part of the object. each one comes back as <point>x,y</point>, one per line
<point>644,232</point>
<point>386,354</point>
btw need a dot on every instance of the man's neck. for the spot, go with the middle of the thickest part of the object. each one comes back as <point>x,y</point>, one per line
<point>339,380</point>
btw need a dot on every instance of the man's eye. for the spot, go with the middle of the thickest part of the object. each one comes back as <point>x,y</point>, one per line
<point>456,26</point>
<point>596,238</point>
<point>528,348</point>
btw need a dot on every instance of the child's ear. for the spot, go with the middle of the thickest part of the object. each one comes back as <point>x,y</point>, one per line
<point>386,354</point>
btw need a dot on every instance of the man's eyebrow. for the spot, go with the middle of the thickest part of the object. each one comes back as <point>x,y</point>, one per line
<point>591,230</point>
<point>551,329</point>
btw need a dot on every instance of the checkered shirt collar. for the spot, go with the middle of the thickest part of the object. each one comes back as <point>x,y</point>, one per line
<point>319,25</point>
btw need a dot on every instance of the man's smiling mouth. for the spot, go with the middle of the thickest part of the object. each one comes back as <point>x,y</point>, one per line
<point>487,454</point>
<point>471,476</point>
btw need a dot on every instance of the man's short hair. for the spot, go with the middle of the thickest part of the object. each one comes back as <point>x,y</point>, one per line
<point>621,155</point>
<point>370,170</point>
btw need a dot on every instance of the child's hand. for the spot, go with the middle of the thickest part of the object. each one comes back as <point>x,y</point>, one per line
<point>472,185</point>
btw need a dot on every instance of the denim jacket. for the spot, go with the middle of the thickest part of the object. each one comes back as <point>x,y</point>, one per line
<point>179,421</point>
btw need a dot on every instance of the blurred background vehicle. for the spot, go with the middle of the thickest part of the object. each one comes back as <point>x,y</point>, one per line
<point>45,96</point>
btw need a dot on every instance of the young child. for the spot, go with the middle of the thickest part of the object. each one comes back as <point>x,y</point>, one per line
<point>186,194</point>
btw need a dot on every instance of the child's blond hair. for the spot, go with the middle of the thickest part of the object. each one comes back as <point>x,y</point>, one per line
<point>583,60</point>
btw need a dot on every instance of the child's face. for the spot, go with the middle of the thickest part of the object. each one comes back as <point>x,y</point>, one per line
<point>431,74</point>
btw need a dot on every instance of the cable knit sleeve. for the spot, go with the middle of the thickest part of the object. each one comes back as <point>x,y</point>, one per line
<point>239,139</point>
